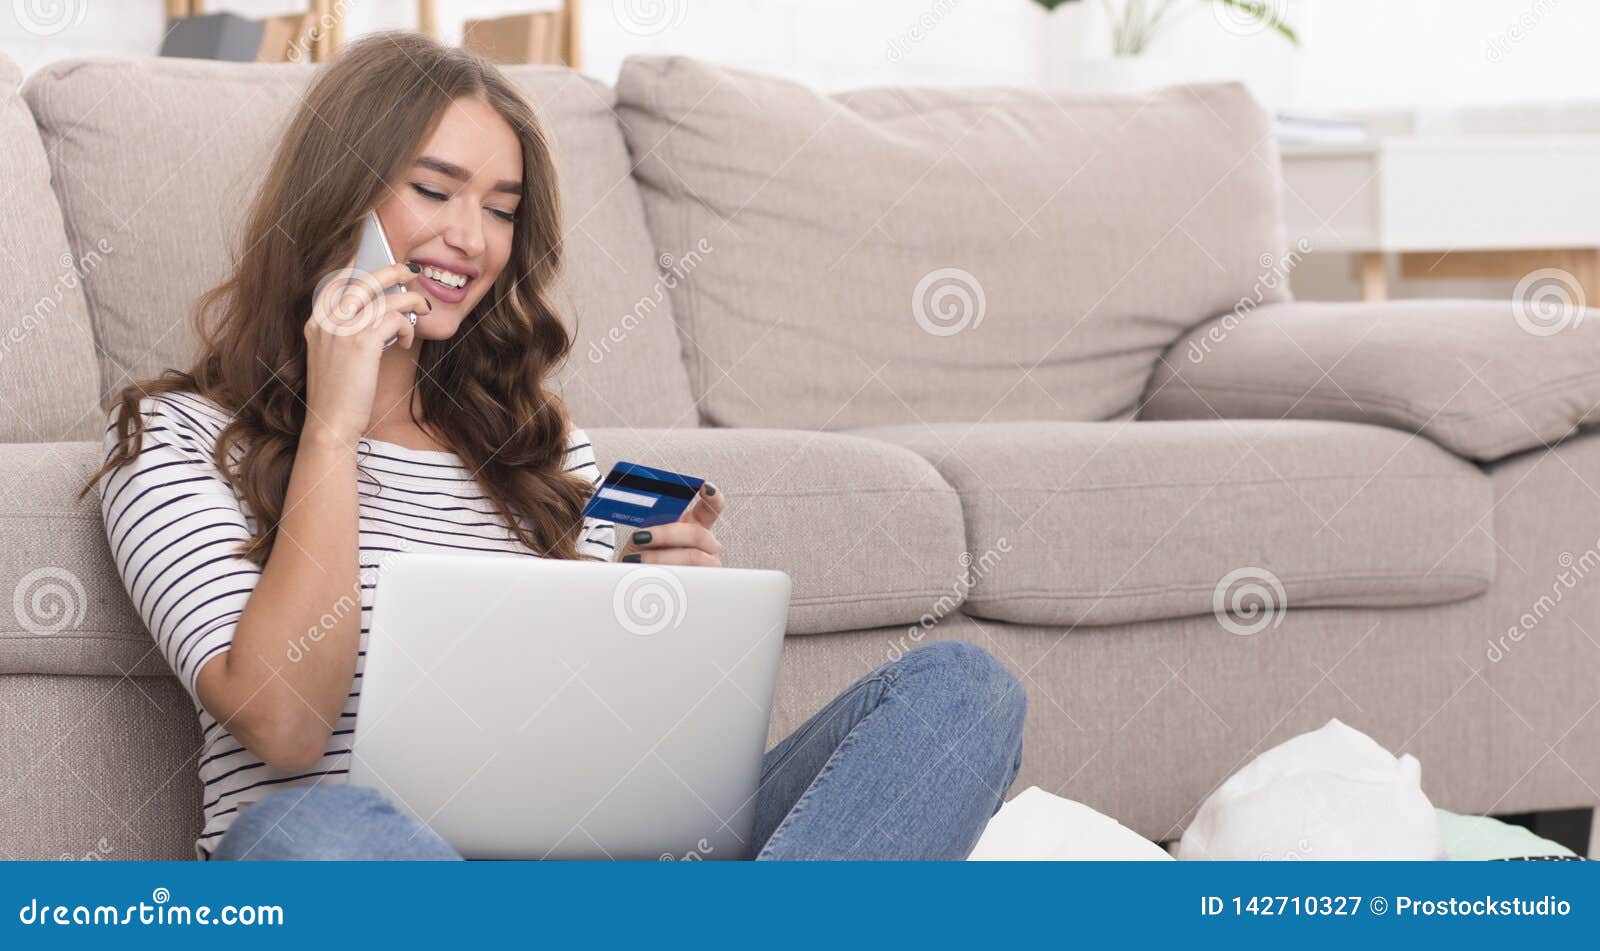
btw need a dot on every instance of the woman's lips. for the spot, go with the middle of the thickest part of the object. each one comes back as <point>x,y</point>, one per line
<point>443,292</point>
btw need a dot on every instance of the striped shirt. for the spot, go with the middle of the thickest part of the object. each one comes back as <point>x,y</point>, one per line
<point>175,524</point>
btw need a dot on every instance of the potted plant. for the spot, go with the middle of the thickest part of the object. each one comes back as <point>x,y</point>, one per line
<point>1135,23</point>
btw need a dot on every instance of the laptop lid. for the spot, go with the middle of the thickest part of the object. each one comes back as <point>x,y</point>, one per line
<point>529,708</point>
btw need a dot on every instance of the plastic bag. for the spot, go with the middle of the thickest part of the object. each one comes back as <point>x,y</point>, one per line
<point>1329,795</point>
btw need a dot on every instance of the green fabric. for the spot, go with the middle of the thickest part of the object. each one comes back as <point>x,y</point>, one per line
<point>1481,838</point>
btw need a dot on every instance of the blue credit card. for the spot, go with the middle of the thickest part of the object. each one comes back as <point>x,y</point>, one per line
<point>639,495</point>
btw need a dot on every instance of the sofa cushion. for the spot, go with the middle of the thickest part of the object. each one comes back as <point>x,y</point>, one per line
<point>162,157</point>
<point>47,364</point>
<point>869,533</point>
<point>1101,523</point>
<point>1484,379</point>
<point>68,612</point>
<point>889,255</point>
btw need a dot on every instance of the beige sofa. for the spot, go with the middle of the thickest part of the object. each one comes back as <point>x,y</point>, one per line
<point>993,365</point>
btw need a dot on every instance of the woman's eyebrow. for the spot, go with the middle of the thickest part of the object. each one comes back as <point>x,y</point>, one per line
<point>462,175</point>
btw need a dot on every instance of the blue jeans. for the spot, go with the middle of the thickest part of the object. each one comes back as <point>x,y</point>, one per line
<point>908,763</point>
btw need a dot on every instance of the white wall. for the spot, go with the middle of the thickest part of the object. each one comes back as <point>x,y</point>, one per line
<point>1357,54</point>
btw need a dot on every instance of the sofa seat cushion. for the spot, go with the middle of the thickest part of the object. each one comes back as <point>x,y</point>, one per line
<point>161,158</point>
<point>1104,523</point>
<point>916,250</point>
<point>869,532</point>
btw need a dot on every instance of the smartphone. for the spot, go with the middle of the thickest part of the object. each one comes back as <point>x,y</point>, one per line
<point>641,496</point>
<point>373,254</point>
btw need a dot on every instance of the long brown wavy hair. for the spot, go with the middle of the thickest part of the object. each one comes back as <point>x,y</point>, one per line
<point>484,390</point>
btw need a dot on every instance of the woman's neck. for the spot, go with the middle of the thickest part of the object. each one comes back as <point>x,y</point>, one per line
<point>396,402</point>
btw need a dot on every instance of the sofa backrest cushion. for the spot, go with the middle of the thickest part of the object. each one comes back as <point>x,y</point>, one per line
<point>894,255</point>
<point>162,157</point>
<point>47,363</point>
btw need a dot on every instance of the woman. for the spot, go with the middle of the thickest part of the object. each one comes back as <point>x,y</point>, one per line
<point>250,500</point>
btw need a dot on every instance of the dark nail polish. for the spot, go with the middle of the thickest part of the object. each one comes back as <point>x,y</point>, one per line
<point>631,558</point>
<point>415,268</point>
<point>641,538</point>
<point>711,489</point>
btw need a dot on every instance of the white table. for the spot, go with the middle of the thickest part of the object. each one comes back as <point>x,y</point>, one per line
<point>1479,194</point>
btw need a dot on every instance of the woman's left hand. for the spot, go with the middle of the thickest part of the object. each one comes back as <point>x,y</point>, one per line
<point>688,541</point>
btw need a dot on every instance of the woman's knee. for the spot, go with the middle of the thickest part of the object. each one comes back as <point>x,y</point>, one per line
<point>970,678</point>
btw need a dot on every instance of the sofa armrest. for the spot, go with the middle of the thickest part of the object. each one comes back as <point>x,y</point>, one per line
<point>1484,379</point>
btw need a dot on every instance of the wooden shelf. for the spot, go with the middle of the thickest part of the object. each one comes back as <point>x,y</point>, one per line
<point>326,43</point>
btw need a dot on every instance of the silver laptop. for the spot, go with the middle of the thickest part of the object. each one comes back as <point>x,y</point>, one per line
<point>529,708</point>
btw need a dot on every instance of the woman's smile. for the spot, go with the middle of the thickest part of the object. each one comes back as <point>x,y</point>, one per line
<point>445,282</point>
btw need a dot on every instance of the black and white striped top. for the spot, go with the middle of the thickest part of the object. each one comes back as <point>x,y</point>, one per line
<point>175,524</point>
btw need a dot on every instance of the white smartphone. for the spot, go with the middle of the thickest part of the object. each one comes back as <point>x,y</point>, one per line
<point>373,254</point>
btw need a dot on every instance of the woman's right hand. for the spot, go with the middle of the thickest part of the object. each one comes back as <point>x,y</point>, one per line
<point>350,321</point>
